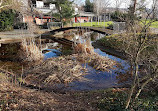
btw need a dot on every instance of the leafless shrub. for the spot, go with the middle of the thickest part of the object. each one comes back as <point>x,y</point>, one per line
<point>34,29</point>
<point>141,48</point>
<point>10,4</point>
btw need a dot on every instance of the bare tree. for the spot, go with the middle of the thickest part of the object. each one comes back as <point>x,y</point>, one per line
<point>141,46</point>
<point>10,4</point>
<point>134,6</point>
<point>137,44</point>
<point>118,3</point>
<point>99,6</point>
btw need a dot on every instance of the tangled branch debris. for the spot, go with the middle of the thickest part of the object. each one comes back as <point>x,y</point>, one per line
<point>56,70</point>
<point>98,62</point>
<point>66,69</point>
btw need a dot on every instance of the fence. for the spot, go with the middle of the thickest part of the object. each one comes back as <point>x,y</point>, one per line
<point>53,25</point>
<point>119,27</point>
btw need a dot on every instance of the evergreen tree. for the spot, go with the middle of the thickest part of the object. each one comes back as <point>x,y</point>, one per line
<point>7,20</point>
<point>88,6</point>
<point>65,10</point>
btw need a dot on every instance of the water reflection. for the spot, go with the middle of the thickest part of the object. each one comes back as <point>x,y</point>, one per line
<point>52,53</point>
<point>99,79</point>
<point>57,50</point>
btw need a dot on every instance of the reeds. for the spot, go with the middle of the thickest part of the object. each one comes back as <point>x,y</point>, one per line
<point>30,51</point>
<point>3,78</point>
<point>7,77</point>
<point>83,46</point>
<point>86,53</point>
<point>62,69</point>
<point>98,62</point>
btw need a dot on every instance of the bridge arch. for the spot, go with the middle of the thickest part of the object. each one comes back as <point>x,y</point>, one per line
<point>95,29</point>
<point>49,34</point>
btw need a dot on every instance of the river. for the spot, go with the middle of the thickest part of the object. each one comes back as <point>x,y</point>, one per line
<point>94,79</point>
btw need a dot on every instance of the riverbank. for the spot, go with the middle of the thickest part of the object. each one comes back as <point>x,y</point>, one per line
<point>32,87</point>
<point>21,98</point>
<point>110,50</point>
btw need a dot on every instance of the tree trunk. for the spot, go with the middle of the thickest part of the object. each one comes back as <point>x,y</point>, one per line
<point>133,86</point>
<point>98,20</point>
<point>61,22</point>
<point>134,7</point>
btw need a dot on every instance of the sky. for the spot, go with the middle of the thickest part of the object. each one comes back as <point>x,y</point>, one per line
<point>112,3</point>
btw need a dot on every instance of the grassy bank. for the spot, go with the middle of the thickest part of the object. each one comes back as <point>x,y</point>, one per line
<point>114,100</point>
<point>142,50</point>
<point>118,41</point>
<point>154,24</point>
<point>111,41</point>
<point>94,24</point>
<point>106,24</point>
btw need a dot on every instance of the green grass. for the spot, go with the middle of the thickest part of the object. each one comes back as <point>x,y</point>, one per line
<point>115,100</point>
<point>106,24</point>
<point>154,24</point>
<point>95,24</point>
<point>115,41</point>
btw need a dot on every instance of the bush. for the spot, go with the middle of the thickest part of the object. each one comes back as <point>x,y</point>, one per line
<point>110,26</point>
<point>112,41</point>
<point>118,16</point>
<point>6,20</point>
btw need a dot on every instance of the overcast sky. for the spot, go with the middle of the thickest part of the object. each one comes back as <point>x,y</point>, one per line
<point>124,3</point>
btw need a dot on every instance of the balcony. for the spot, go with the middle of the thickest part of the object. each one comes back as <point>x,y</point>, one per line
<point>41,7</point>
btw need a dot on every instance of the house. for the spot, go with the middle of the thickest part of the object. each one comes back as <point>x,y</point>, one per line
<point>41,12</point>
<point>45,9</point>
<point>84,17</point>
<point>81,15</point>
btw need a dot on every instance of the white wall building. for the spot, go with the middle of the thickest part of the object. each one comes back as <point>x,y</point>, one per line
<point>41,6</point>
